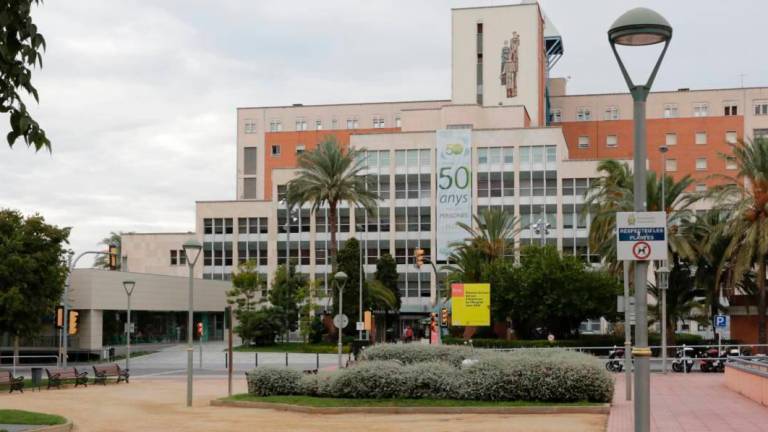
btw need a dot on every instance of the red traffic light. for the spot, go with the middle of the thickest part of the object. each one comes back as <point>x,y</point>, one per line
<point>199,329</point>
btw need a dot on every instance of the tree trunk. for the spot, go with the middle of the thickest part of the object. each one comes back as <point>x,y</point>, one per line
<point>761,335</point>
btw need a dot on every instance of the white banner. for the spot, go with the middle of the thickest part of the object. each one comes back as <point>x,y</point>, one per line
<point>641,236</point>
<point>454,187</point>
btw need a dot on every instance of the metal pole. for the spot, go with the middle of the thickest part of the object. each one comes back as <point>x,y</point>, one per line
<point>200,342</point>
<point>641,352</point>
<point>627,335</point>
<point>341,309</point>
<point>190,347</point>
<point>128,337</point>
<point>664,291</point>
<point>360,312</point>
<point>229,357</point>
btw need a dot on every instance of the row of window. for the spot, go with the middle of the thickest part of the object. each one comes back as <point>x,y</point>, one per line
<point>670,139</point>
<point>701,164</point>
<point>670,110</point>
<point>178,257</point>
<point>250,125</point>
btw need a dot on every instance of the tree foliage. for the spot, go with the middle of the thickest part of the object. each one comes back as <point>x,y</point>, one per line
<point>288,288</point>
<point>20,51</point>
<point>32,271</point>
<point>102,261</point>
<point>386,276</point>
<point>247,284</point>
<point>260,327</point>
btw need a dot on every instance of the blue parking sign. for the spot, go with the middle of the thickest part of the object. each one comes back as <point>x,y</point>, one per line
<point>720,320</point>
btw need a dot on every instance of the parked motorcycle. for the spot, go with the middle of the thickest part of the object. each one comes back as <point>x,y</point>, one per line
<point>615,360</point>
<point>712,361</point>
<point>677,363</point>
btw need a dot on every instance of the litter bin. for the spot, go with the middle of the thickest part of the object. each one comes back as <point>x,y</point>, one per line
<point>37,377</point>
<point>111,353</point>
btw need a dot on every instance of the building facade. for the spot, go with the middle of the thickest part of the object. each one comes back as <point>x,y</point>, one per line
<point>535,150</point>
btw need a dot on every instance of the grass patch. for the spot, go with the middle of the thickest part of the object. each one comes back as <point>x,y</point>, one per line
<point>322,348</point>
<point>320,402</point>
<point>9,416</point>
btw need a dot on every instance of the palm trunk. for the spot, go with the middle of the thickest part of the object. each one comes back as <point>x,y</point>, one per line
<point>761,331</point>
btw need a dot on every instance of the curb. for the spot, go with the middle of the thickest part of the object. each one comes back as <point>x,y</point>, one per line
<point>595,409</point>
<point>66,427</point>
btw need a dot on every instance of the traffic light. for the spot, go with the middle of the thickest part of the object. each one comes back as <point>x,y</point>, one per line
<point>73,322</point>
<point>59,317</point>
<point>419,255</point>
<point>114,254</point>
<point>444,317</point>
<point>200,329</point>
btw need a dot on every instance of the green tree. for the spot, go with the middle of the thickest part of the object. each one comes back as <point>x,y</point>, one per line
<point>247,284</point>
<point>114,238</point>
<point>22,47</point>
<point>493,233</point>
<point>32,272</point>
<point>684,299</point>
<point>386,278</point>
<point>286,292</point>
<point>328,176</point>
<point>349,263</point>
<point>745,198</point>
<point>260,327</point>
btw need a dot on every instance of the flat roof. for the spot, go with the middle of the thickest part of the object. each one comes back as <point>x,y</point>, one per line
<point>346,104</point>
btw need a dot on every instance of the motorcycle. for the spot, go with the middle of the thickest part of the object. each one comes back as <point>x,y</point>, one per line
<point>615,360</point>
<point>677,363</point>
<point>712,361</point>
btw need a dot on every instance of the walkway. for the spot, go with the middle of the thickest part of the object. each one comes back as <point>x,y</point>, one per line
<point>686,403</point>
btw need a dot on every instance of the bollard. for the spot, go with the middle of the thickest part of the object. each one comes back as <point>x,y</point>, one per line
<point>257,358</point>
<point>286,359</point>
<point>317,361</point>
<point>685,362</point>
<point>225,359</point>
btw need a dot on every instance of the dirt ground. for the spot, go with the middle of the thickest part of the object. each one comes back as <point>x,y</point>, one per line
<point>159,405</point>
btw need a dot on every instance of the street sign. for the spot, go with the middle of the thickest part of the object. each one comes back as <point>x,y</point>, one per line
<point>620,307</point>
<point>721,321</point>
<point>340,321</point>
<point>641,236</point>
<point>360,325</point>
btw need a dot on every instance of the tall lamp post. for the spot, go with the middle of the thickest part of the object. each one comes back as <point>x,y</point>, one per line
<point>541,228</point>
<point>341,281</point>
<point>192,250</point>
<point>640,27</point>
<point>128,286</point>
<point>663,286</point>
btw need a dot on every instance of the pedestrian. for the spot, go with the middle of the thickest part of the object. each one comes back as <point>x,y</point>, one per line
<point>408,334</point>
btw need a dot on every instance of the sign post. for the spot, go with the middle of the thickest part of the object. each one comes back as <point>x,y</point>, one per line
<point>471,304</point>
<point>642,236</point>
<point>721,322</point>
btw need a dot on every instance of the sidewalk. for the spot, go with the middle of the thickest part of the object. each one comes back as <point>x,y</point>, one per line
<point>686,403</point>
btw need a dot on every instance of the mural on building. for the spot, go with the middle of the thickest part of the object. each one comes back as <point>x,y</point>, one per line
<point>509,64</point>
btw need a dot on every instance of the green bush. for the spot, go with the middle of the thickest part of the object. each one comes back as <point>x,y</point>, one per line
<point>431,380</point>
<point>417,353</point>
<point>270,381</point>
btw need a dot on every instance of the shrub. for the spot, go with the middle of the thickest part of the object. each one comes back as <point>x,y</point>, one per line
<point>269,381</point>
<point>418,353</point>
<point>431,380</point>
<point>370,379</point>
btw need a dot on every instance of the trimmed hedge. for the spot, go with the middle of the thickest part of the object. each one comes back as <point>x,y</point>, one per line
<point>400,371</point>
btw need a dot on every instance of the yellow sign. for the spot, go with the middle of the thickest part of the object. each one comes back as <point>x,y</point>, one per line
<point>471,304</point>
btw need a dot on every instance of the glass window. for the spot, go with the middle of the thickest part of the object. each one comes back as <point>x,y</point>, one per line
<point>671,139</point>
<point>482,184</point>
<point>299,148</point>
<point>730,163</point>
<point>413,158</point>
<point>275,150</point>
<point>509,183</point>
<point>700,109</point>
<point>671,165</point>
<point>495,183</point>
<point>384,159</point>
<point>424,158</point>
<point>556,115</point>
<point>318,124</point>
<point>611,141</point>
<point>551,153</point>
<point>509,153</point>
<point>731,137</point>
<point>482,155</point>
<point>400,187</point>
<point>250,155</point>
<point>494,155</point>
<point>400,223</point>
<point>567,186</point>
<point>538,154</point>
<point>701,164</point>
<point>670,110</point>
<point>249,126</point>
<point>207,226</point>
<point>525,154</point>
<point>730,109</point>
<point>583,141</point>
<point>611,113</point>
<point>174,260</point>
<point>400,158</point>
<point>583,114</point>
<point>701,187</point>
<point>761,108</point>
<point>701,138</point>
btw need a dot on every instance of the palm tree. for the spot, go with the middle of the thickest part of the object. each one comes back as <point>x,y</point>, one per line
<point>683,296</point>
<point>101,260</point>
<point>329,175</point>
<point>745,197</point>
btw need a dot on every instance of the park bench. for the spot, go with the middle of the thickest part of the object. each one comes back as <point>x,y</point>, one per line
<point>57,376</point>
<point>15,383</point>
<point>102,372</point>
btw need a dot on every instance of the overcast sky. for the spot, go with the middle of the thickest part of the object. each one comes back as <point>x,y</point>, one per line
<point>139,97</point>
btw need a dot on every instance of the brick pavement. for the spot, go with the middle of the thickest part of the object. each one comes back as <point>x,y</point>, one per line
<point>690,403</point>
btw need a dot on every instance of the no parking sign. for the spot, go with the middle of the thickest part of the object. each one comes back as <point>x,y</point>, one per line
<point>641,236</point>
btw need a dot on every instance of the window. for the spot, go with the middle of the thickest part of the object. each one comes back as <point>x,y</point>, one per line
<point>482,155</point>
<point>700,109</point>
<point>701,187</point>
<point>352,123</point>
<point>701,164</point>
<point>378,122</point>
<point>250,155</point>
<point>556,115</point>
<point>398,122</point>
<point>509,155</point>
<point>611,113</point>
<point>670,110</point>
<point>275,126</point>
<point>334,124</point>
<point>671,139</point>
<point>730,109</point>
<point>731,137</point>
<point>583,114</point>
<point>249,126</point>
<point>301,124</point>
<point>760,133</point>
<point>583,141</point>
<point>174,260</point>
<point>275,150</point>
<point>249,188</point>
<point>551,153</point>
<point>182,257</point>
<point>299,148</point>
<point>671,165</point>
<point>701,138</point>
<point>611,141</point>
<point>730,163</point>
<point>761,108</point>
<point>318,124</point>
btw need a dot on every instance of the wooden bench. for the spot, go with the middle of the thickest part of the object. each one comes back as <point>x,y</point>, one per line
<point>57,376</point>
<point>15,383</point>
<point>102,372</point>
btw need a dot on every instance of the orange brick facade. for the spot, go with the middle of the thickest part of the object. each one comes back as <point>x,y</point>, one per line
<point>685,152</point>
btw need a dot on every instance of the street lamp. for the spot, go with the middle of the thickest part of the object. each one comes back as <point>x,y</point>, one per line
<point>128,285</point>
<point>640,27</point>
<point>341,280</point>
<point>192,250</point>
<point>541,228</point>
<point>665,284</point>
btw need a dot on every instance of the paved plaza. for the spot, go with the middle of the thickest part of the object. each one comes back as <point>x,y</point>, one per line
<point>690,403</point>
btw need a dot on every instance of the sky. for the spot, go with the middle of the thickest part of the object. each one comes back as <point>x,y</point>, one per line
<point>139,97</point>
